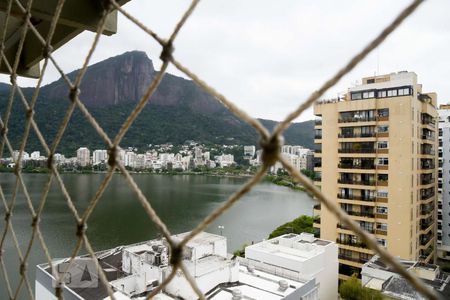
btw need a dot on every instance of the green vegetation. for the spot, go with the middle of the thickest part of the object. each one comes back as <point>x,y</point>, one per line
<point>155,125</point>
<point>352,290</point>
<point>241,251</point>
<point>299,225</point>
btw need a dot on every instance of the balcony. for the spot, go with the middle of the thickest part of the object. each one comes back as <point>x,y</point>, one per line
<point>349,242</point>
<point>344,227</point>
<point>425,239</point>
<point>428,195</point>
<point>361,214</point>
<point>380,231</point>
<point>317,207</point>
<point>426,180</point>
<point>427,165</point>
<point>427,151</point>
<point>429,137</point>
<point>317,221</point>
<point>317,136</point>
<point>356,182</point>
<point>426,209</point>
<point>356,135</point>
<point>356,197</point>
<point>356,119</point>
<point>353,259</point>
<point>357,150</point>
<point>424,224</point>
<point>318,122</point>
<point>356,167</point>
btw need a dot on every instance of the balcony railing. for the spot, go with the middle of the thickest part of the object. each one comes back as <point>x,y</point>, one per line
<point>356,182</point>
<point>355,197</point>
<point>425,224</point>
<point>427,196</point>
<point>354,259</point>
<point>358,167</point>
<point>425,239</point>
<point>349,242</point>
<point>361,214</point>
<point>427,137</point>
<point>425,181</point>
<point>357,119</point>
<point>357,150</point>
<point>427,151</point>
<point>425,210</point>
<point>356,135</point>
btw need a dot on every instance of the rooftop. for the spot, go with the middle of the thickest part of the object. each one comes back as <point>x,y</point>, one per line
<point>391,283</point>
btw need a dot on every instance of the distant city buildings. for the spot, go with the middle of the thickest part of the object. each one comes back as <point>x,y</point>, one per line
<point>287,267</point>
<point>301,158</point>
<point>83,156</point>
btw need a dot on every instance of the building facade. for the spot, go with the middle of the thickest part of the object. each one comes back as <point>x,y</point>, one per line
<point>83,156</point>
<point>443,226</point>
<point>376,154</point>
<point>284,268</point>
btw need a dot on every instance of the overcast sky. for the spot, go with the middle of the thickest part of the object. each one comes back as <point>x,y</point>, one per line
<point>268,56</point>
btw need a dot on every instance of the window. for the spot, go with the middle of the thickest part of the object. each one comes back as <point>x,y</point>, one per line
<point>356,96</point>
<point>382,194</point>
<point>382,210</point>
<point>382,226</point>
<point>381,94</point>
<point>384,112</point>
<point>383,128</point>
<point>384,161</point>
<point>382,145</point>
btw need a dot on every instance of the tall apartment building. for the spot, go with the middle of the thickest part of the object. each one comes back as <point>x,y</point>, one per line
<point>83,156</point>
<point>376,158</point>
<point>443,226</point>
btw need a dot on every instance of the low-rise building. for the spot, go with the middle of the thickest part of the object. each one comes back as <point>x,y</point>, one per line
<point>136,270</point>
<point>378,276</point>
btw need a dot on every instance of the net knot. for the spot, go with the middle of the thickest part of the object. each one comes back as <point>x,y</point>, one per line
<point>7,216</point>
<point>35,221</point>
<point>50,161</point>
<point>47,50</point>
<point>176,255</point>
<point>74,93</point>
<point>30,113</point>
<point>81,229</point>
<point>23,268</point>
<point>13,79</point>
<point>112,156</point>
<point>3,131</point>
<point>166,53</point>
<point>271,149</point>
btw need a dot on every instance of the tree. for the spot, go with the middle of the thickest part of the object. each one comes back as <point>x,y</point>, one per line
<point>352,290</point>
<point>298,225</point>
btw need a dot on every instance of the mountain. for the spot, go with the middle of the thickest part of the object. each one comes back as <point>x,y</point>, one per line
<point>178,111</point>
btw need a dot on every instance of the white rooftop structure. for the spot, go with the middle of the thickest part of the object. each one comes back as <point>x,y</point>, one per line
<point>302,257</point>
<point>134,271</point>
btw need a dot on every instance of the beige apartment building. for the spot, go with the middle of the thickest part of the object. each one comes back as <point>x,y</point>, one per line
<point>376,156</point>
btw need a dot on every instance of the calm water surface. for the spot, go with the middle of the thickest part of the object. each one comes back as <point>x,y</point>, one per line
<point>181,201</point>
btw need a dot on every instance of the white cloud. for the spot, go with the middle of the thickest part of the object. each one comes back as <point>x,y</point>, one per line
<point>268,56</point>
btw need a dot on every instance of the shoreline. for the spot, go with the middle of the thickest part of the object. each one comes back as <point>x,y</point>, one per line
<point>274,179</point>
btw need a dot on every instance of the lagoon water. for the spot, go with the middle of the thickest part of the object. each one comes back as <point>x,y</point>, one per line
<point>181,201</point>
